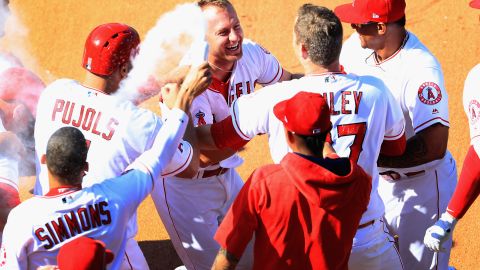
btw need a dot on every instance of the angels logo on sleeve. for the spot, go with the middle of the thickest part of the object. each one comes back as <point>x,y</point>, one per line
<point>474,113</point>
<point>3,257</point>
<point>201,118</point>
<point>429,93</point>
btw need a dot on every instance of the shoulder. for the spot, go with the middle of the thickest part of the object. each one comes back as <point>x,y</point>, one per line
<point>253,50</point>
<point>60,84</point>
<point>418,53</point>
<point>263,174</point>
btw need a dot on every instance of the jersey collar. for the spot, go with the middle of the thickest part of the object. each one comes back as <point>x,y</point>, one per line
<point>62,190</point>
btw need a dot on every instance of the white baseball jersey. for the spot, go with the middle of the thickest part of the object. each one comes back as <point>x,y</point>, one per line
<point>8,167</point>
<point>38,227</point>
<point>415,78</point>
<point>118,132</point>
<point>257,65</point>
<point>363,114</point>
<point>471,104</point>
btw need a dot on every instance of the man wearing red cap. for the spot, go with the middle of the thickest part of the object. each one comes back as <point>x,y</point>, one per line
<point>304,212</point>
<point>417,185</point>
<point>468,187</point>
<point>366,121</point>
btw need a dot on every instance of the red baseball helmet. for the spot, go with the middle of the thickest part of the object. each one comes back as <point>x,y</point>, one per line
<point>108,46</point>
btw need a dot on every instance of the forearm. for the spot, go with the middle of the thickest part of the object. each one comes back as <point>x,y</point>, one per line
<point>224,261</point>
<point>427,145</point>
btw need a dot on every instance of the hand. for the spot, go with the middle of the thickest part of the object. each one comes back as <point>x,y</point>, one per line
<point>169,93</point>
<point>10,145</point>
<point>440,232</point>
<point>195,83</point>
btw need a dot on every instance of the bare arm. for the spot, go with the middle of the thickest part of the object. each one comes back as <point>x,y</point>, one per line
<point>427,145</point>
<point>224,261</point>
<point>287,76</point>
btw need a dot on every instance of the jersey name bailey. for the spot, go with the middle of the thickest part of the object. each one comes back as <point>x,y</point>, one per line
<point>350,101</point>
<point>77,221</point>
<point>85,118</point>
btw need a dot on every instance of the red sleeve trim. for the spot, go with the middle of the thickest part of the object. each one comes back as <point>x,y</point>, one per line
<point>394,147</point>
<point>468,186</point>
<point>275,77</point>
<point>225,136</point>
<point>394,137</point>
<point>182,167</point>
<point>433,119</point>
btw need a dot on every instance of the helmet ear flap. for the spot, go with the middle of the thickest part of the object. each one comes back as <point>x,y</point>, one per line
<point>108,47</point>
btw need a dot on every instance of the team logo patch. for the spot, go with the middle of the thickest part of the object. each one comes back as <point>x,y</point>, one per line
<point>429,93</point>
<point>264,50</point>
<point>474,112</point>
<point>3,256</point>
<point>201,118</point>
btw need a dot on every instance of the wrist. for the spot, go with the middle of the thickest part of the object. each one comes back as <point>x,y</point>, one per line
<point>449,218</point>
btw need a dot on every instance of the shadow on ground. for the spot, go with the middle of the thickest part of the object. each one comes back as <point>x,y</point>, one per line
<point>160,254</point>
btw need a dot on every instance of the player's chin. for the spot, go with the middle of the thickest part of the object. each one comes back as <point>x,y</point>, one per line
<point>234,56</point>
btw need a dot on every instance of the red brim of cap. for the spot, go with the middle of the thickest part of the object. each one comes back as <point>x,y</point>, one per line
<point>347,13</point>
<point>475,4</point>
<point>279,110</point>
<point>108,256</point>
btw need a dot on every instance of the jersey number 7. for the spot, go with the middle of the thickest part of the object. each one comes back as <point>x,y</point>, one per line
<point>357,130</point>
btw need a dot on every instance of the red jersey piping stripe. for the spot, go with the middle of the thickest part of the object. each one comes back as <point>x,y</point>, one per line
<point>183,166</point>
<point>326,73</point>
<point>235,124</point>
<point>433,119</point>
<point>395,136</point>
<point>9,182</point>
<point>407,36</point>
<point>275,77</point>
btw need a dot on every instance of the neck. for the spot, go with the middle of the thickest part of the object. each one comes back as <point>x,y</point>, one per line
<point>311,68</point>
<point>221,70</point>
<point>393,42</point>
<point>101,84</point>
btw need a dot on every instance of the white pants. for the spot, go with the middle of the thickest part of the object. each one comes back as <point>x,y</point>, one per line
<point>414,204</point>
<point>374,249</point>
<point>133,258</point>
<point>191,210</point>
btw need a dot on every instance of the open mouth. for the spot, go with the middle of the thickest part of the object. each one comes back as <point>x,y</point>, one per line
<point>233,47</point>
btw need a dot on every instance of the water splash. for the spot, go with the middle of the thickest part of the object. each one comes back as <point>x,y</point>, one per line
<point>164,46</point>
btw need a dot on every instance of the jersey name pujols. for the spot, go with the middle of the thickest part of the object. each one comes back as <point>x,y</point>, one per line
<point>83,117</point>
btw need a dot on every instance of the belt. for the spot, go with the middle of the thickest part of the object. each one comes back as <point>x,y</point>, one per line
<point>361,226</point>
<point>214,172</point>
<point>393,175</point>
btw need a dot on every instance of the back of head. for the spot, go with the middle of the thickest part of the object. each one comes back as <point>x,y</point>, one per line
<point>67,154</point>
<point>108,47</point>
<point>319,29</point>
<point>223,4</point>
<point>84,253</point>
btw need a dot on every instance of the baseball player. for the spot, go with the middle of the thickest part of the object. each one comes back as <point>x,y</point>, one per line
<point>273,203</point>
<point>468,186</point>
<point>417,185</point>
<point>366,121</point>
<point>39,227</point>
<point>116,130</point>
<point>19,92</point>
<point>195,208</point>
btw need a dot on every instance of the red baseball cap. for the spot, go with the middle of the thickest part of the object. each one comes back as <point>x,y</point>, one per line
<point>84,254</point>
<point>475,4</point>
<point>305,114</point>
<point>364,11</point>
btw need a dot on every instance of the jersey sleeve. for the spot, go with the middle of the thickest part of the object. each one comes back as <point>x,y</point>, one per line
<point>471,104</point>
<point>13,253</point>
<point>251,113</point>
<point>270,70</point>
<point>394,120</point>
<point>426,98</point>
<point>240,223</point>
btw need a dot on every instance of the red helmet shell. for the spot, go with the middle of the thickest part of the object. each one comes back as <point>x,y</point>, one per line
<point>108,46</point>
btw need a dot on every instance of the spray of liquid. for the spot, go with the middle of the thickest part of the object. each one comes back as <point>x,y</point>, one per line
<point>163,47</point>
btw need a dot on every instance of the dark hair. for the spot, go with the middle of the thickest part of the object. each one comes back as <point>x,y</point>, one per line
<point>218,3</point>
<point>315,142</point>
<point>67,154</point>
<point>320,30</point>
<point>400,22</point>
